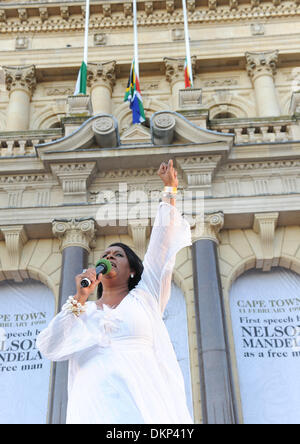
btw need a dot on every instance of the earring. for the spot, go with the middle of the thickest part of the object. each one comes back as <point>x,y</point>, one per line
<point>132,275</point>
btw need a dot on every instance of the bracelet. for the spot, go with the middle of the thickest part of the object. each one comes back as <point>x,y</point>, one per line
<point>170,190</point>
<point>74,306</point>
<point>169,195</point>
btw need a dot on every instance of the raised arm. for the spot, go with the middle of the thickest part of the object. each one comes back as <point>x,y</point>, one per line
<point>170,234</point>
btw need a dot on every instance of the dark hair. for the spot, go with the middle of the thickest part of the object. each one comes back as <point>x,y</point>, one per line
<point>135,264</point>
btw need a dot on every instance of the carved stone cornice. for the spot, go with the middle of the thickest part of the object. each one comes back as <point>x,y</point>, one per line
<point>101,74</point>
<point>175,69</point>
<point>75,233</point>
<point>199,171</point>
<point>261,63</point>
<point>20,78</point>
<point>74,178</point>
<point>208,226</point>
<point>264,225</point>
<point>48,19</point>
<point>15,238</point>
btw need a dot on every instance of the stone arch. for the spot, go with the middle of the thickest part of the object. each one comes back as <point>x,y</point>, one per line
<point>47,117</point>
<point>39,260</point>
<point>226,102</point>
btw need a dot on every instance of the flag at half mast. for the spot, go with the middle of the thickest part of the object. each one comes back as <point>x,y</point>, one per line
<point>188,83</point>
<point>80,87</point>
<point>81,80</point>
<point>134,97</point>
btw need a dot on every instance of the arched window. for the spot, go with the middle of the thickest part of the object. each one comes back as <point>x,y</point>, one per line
<point>175,318</point>
<point>25,309</point>
<point>265,313</point>
<point>225,116</point>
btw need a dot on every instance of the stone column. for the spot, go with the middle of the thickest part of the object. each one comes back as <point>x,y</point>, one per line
<point>20,82</point>
<point>175,76</point>
<point>76,239</point>
<point>101,78</point>
<point>214,361</point>
<point>261,67</point>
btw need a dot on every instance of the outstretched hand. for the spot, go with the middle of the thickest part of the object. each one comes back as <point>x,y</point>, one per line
<point>168,174</point>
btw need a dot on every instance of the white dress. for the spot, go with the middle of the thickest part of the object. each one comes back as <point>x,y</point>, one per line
<point>122,366</point>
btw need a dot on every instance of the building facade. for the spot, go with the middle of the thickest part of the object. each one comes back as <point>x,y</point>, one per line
<point>75,174</point>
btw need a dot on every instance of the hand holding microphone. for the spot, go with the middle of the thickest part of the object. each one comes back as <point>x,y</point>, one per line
<point>102,267</point>
<point>87,281</point>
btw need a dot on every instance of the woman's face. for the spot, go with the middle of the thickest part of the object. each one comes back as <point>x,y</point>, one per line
<point>120,265</point>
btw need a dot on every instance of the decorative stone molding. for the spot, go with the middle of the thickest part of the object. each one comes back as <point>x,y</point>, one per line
<point>15,239</point>
<point>128,9</point>
<point>20,78</point>
<point>106,10</point>
<point>257,29</point>
<point>21,18</point>
<point>75,233</point>
<point>43,13</point>
<point>198,172</point>
<point>163,128</point>
<point>2,15</point>
<point>190,98</point>
<point>138,232</point>
<point>23,14</point>
<point>79,105</point>
<point>105,132</point>
<point>208,226</point>
<point>177,34</point>
<point>22,42</point>
<point>264,225</point>
<point>100,39</point>
<point>261,63</point>
<point>170,6</point>
<point>75,179</point>
<point>149,7</point>
<point>64,12</point>
<point>102,73</point>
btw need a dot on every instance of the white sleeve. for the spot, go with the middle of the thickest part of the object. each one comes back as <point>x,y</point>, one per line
<point>170,234</point>
<point>65,335</point>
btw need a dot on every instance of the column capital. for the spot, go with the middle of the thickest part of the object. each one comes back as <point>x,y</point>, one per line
<point>261,63</point>
<point>75,233</point>
<point>175,68</point>
<point>103,74</point>
<point>20,78</point>
<point>207,227</point>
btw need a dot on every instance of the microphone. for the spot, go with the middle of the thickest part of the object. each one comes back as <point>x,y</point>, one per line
<point>103,266</point>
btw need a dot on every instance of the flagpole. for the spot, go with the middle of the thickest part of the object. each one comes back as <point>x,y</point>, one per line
<point>135,36</point>
<point>187,41</point>
<point>86,32</point>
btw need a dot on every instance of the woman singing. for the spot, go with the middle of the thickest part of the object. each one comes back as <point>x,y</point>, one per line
<point>122,366</point>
